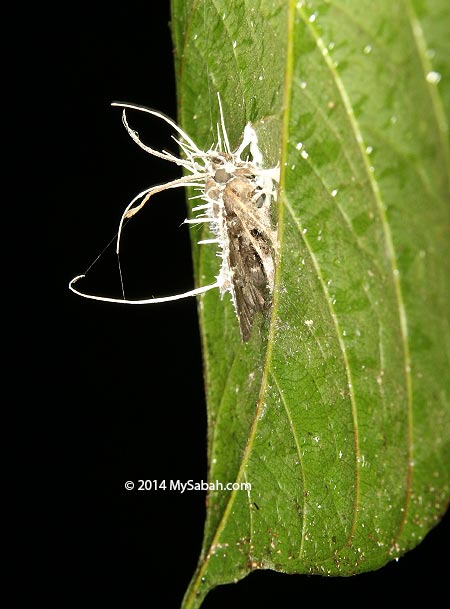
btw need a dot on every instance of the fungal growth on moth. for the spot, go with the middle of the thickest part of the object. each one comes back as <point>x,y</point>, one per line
<point>236,197</point>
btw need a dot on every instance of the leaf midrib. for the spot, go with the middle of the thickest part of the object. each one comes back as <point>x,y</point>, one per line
<point>241,472</point>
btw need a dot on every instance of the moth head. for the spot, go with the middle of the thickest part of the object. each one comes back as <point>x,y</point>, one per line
<point>222,176</point>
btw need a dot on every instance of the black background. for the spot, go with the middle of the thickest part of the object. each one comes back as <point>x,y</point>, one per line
<point>127,399</point>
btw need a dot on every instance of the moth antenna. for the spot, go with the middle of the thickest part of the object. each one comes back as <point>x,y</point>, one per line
<point>163,117</point>
<point>149,192</point>
<point>195,292</point>
<point>222,122</point>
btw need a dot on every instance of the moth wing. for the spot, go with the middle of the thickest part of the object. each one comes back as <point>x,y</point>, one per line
<point>249,279</point>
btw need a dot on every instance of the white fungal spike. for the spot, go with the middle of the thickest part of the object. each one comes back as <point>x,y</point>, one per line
<point>158,115</point>
<point>222,123</point>
<point>195,292</point>
<point>131,211</point>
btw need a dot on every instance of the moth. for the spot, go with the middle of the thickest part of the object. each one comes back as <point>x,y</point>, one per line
<point>236,194</point>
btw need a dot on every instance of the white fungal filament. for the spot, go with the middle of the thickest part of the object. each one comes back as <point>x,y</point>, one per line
<point>142,302</point>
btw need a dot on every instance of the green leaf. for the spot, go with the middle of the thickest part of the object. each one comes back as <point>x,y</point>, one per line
<point>337,410</point>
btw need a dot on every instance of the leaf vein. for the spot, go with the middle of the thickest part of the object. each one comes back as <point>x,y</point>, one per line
<point>344,358</point>
<point>438,112</point>
<point>300,460</point>
<point>389,246</point>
